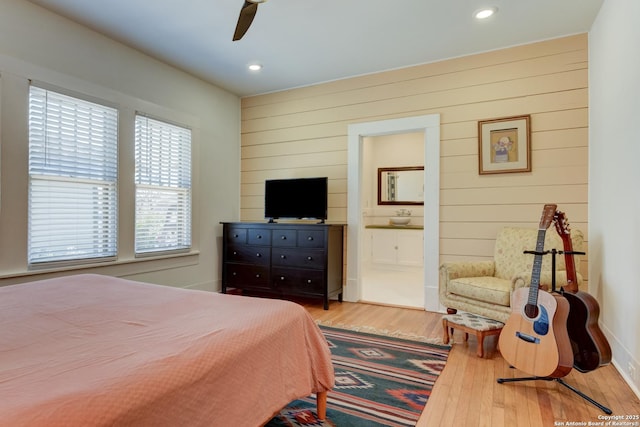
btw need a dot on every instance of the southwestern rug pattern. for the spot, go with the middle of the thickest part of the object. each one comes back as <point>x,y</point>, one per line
<point>380,381</point>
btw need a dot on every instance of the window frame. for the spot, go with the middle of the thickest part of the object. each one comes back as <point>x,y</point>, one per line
<point>188,244</point>
<point>33,176</point>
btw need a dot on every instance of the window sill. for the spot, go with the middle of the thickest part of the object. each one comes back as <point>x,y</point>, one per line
<point>119,267</point>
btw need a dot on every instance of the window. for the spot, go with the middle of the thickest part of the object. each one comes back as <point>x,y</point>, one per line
<point>73,171</point>
<point>163,186</point>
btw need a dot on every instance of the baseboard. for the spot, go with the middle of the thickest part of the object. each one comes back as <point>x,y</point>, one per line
<point>211,286</point>
<point>624,362</point>
<point>626,377</point>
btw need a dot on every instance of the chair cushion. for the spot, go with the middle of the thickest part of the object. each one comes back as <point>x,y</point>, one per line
<point>488,289</point>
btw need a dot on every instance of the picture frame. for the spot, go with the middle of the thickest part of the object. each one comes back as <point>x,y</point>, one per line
<point>504,145</point>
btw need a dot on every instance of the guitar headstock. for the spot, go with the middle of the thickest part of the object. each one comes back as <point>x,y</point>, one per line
<point>547,216</point>
<point>562,224</point>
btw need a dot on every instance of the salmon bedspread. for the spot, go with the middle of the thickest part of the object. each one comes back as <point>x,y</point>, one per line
<point>92,350</point>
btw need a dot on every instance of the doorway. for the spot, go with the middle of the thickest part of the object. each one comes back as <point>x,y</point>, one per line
<point>430,126</point>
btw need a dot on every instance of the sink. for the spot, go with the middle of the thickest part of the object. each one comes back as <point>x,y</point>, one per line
<point>400,220</point>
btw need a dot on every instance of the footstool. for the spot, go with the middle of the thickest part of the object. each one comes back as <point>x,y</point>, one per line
<point>471,324</point>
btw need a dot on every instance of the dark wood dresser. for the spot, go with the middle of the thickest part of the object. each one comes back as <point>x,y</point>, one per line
<point>283,260</point>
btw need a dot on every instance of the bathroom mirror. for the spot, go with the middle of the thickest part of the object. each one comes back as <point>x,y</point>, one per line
<point>401,185</point>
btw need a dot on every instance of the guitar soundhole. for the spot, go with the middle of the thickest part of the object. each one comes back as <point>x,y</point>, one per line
<point>531,310</point>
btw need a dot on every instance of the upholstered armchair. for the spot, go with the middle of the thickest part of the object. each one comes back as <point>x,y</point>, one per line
<point>484,287</point>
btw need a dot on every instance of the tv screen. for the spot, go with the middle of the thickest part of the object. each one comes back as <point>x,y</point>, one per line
<point>296,198</point>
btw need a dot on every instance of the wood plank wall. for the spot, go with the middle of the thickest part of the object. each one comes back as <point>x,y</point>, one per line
<point>303,132</point>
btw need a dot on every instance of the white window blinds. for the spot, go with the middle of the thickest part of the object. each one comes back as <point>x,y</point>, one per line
<point>73,171</point>
<point>163,186</point>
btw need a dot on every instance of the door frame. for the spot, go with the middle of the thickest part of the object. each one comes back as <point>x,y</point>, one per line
<point>430,125</point>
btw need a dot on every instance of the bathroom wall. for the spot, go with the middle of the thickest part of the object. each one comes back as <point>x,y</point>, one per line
<point>399,150</point>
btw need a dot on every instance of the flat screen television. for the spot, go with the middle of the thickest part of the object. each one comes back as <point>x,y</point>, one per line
<point>299,198</point>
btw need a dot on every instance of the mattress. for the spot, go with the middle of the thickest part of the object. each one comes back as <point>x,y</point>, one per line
<point>92,350</point>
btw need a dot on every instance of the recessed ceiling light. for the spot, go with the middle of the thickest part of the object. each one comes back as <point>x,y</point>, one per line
<point>485,12</point>
<point>255,67</point>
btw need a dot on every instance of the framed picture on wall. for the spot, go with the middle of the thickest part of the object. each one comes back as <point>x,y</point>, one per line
<point>504,145</point>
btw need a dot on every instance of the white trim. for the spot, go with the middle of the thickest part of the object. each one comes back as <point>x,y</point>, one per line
<point>430,125</point>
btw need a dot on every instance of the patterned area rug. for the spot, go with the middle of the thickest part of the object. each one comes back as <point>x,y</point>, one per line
<point>380,381</point>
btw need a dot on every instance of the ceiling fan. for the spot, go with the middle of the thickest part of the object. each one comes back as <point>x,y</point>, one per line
<point>247,13</point>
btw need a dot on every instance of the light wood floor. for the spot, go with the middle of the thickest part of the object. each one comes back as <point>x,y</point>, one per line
<point>467,393</point>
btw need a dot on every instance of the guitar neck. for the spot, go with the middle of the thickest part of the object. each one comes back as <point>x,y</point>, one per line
<point>572,278</point>
<point>537,268</point>
<point>563,230</point>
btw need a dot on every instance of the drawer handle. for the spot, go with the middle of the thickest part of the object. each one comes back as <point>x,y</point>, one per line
<point>282,278</point>
<point>235,252</point>
<point>308,281</point>
<point>236,236</point>
<point>309,258</point>
<point>283,257</point>
<point>259,236</point>
<point>283,237</point>
<point>234,274</point>
<point>258,255</point>
<point>258,276</point>
<point>310,238</point>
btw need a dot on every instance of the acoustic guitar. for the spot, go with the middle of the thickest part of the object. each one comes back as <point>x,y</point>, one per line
<point>589,345</point>
<point>535,339</point>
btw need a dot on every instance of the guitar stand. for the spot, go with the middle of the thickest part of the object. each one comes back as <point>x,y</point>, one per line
<point>560,381</point>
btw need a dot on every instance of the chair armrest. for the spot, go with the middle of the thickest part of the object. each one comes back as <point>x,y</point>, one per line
<point>455,270</point>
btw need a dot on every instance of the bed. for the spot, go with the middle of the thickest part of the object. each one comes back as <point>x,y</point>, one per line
<point>92,350</point>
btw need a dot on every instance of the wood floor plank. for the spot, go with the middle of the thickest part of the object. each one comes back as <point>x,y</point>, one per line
<point>533,405</point>
<point>467,392</point>
<point>452,398</point>
<point>546,410</point>
<point>497,408</point>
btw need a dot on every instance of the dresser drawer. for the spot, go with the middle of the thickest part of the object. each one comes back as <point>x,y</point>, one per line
<point>310,238</point>
<point>236,235</point>
<point>283,238</point>
<point>298,280</point>
<point>298,257</point>
<point>257,255</point>
<point>247,276</point>
<point>259,236</point>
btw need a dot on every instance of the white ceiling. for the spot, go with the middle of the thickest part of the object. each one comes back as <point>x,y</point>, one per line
<point>302,42</point>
